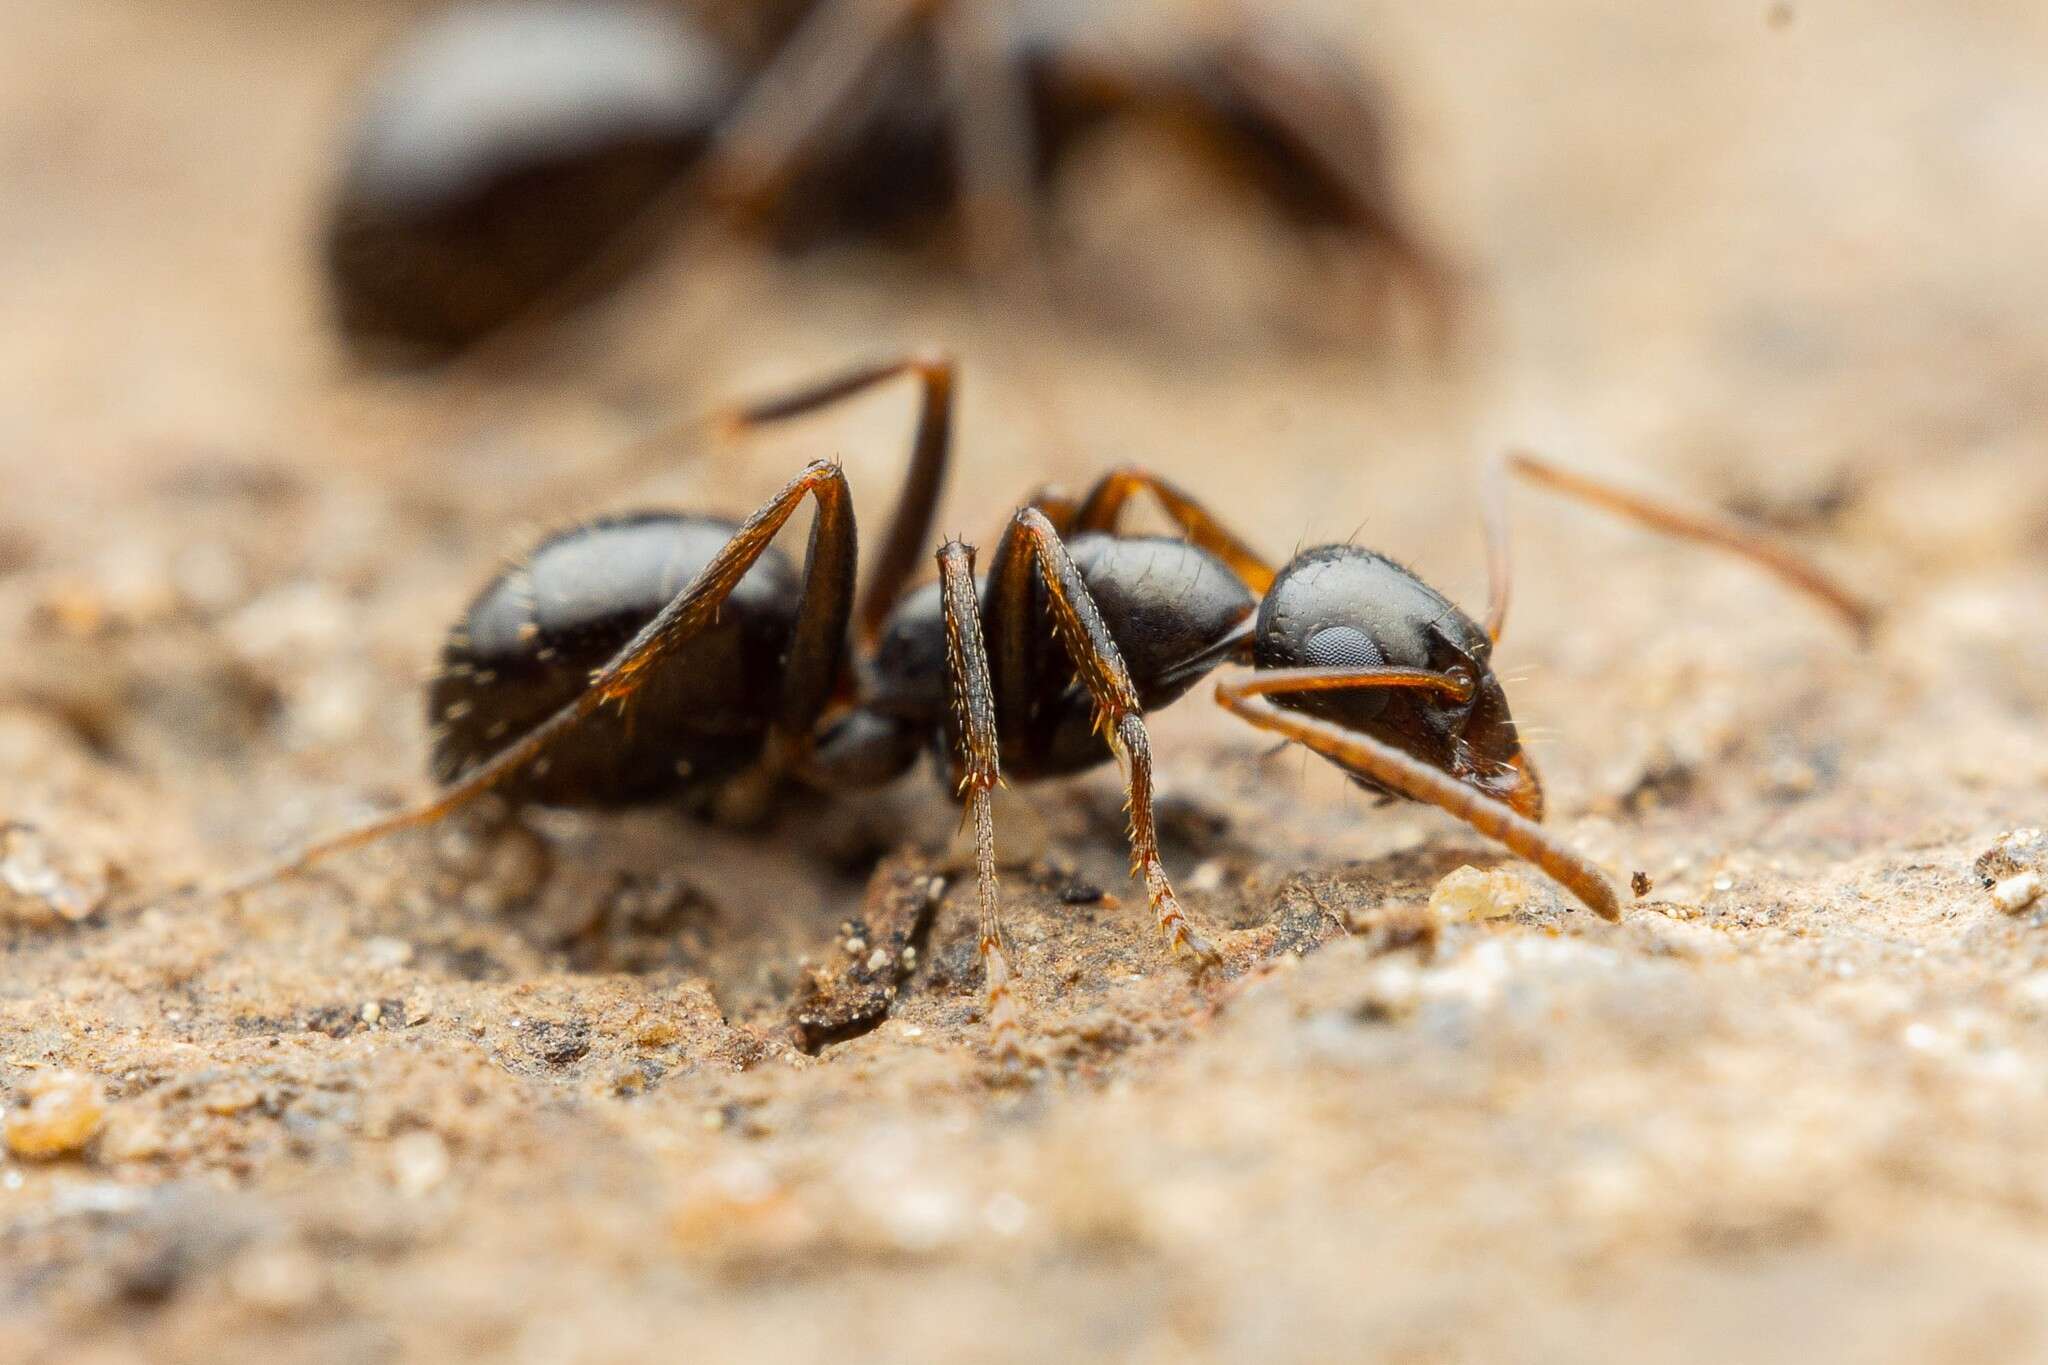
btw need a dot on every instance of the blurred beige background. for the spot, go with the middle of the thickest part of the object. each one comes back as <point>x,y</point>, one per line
<point>1784,259</point>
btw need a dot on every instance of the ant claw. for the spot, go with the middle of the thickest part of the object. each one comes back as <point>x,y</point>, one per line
<point>1180,936</point>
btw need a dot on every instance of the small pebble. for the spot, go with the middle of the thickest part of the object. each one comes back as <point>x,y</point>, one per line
<point>1469,894</point>
<point>39,885</point>
<point>1392,992</point>
<point>64,1110</point>
<point>233,1096</point>
<point>419,1162</point>
<point>131,1136</point>
<point>281,1282</point>
<point>386,952</point>
<point>1005,1214</point>
<point>2016,893</point>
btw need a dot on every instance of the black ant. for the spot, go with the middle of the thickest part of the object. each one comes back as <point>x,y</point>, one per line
<point>515,157</point>
<point>672,654</point>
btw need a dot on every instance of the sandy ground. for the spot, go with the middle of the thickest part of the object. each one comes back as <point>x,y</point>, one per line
<point>448,1101</point>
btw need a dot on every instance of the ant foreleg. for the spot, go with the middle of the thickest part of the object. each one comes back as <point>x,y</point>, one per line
<point>816,655</point>
<point>1247,697</point>
<point>1077,623</point>
<point>980,771</point>
<point>1701,527</point>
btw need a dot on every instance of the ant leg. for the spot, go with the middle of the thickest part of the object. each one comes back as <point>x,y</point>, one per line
<point>790,103</point>
<point>993,150</point>
<point>1316,136</point>
<point>1020,646</point>
<point>1702,527</point>
<point>1104,505</point>
<point>1247,698</point>
<point>980,771</point>
<point>994,143</point>
<point>1058,505</point>
<point>816,657</point>
<point>910,526</point>
<point>1077,623</point>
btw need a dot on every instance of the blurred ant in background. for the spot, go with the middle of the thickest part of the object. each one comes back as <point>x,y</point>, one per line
<point>516,157</point>
<point>678,656</point>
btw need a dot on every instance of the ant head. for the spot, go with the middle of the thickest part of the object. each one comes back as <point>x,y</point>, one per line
<point>1339,606</point>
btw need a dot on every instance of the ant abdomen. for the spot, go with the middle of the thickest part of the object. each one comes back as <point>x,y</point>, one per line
<point>532,638</point>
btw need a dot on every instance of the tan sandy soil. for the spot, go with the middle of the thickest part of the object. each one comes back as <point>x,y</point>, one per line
<point>545,1097</point>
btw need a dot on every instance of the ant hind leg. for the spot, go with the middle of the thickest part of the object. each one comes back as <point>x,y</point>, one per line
<point>816,659</point>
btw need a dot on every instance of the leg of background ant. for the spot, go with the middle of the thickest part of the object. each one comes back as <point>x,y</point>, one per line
<point>980,771</point>
<point>1704,528</point>
<point>1398,772</point>
<point>994,145</point>
<point>795,97</point>
<point>1273,96</point>
<point>1104,505</point>
<point>1032,541</point>
<point>992,154</point>
<point>816,653</point>
<point>910,527</point>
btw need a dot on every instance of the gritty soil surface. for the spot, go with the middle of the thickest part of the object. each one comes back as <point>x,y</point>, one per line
<point>627,1086</point>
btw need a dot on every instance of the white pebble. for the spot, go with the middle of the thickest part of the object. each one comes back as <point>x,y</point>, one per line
<point>419,1162</point>
<point>2016,893</point>
<point>1469,894</point>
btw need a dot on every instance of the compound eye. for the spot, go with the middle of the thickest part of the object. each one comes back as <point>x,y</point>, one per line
<point>1343,647</point>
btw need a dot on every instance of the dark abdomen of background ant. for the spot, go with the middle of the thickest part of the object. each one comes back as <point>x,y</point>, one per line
<point>530,641</point>
<point>503,151</point>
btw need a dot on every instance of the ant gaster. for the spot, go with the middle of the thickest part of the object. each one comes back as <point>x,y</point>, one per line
<point>672,654</point>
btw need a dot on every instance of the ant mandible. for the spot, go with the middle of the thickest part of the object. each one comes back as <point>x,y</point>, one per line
<point>668,654</point>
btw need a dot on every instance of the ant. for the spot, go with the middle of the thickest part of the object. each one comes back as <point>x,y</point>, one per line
<point>675,654</point>
<point>516,157</point>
